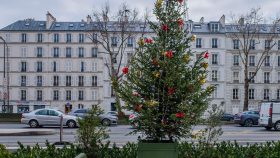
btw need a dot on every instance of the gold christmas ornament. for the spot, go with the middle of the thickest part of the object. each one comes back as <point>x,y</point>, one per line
<point>204,65</point>
<point>186,58</point>
<point>157,74</point>
<point>202,81</point>
<point>159,3</point>
<point>152,103</point>
<point>141,42</point>
<point>193,38</point>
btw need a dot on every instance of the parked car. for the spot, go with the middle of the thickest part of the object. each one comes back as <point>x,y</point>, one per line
<point>270,115</point>
<point>247,118</point>
<point>48,117</point>
<point>107,119</point>
<point>227,117</point>
<point>132,119</point>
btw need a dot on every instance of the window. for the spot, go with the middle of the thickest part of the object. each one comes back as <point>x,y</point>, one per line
<point>23,66</point>
<point>215,92</point>
<point>81,52</point>
<point>278,94</point>
<point>266,94</point>
<point>250,76</point>
<point>54,66</point>
<point>23,95</point>
<point>68,95</point>
<point>214,43</point>
<point>252,44</point>
<point>235,94</point>
<point>94,95</point>
<point>39,38</point>
<point>81,38</point>
<point>114,41</point>
<point>23,51</point>
<point>68,38</point>
<point>278,77</point>
<point>23,38</point>
<point>36,107</point>
<point>55,80</point>
<point>56,38</point>
<point>266,77</point>
<point>81,81</point>
<point>94,81</point>
<point>94,67</point>
<point>23,108</point>
<point>267,61</point>
<point>251,93</point>
<point>236,77</point>
<point>82,66</point>
<point>94,52</point>
<point>68,80</point>
<point>68,52</point>
<point>42,112</point>
<point>214,75</point>
<point>130,42</point>
<point>214,59</point>
<point>94,38</point>
<point>198,43</point>
<point>236,60</point>
<point>23,80</point>
<point>39,52</point>
<point>267,44</point>
<point>278,44</point>
<point>39,95</point>
<point>39,81</point>
<point>55,52</point>
<point>278,60</point>
<point>214,27</point>
<point>53,113</point>
<point>251,60</point>
<point>235,44</point>
<point>39,66</point>
<point>81,95</point>
<point>81,106</point>
<point>112,92</point>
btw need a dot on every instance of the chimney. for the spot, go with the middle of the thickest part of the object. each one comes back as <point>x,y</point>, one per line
<point>223,20</point>
<point>89,20</point>
<point>50,20</point>
<point>201,21</point>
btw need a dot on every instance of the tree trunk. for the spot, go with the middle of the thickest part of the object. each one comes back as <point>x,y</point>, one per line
<point>246,89</point>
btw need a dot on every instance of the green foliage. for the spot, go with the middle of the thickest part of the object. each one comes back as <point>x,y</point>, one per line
<point>163,84</point>
<point>4,153</point>
<point>91,133</point>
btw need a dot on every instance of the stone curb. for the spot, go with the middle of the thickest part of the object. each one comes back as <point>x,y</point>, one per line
<point>20,132</point>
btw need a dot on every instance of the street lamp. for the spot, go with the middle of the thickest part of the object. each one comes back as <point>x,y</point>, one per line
<point>5,81</point>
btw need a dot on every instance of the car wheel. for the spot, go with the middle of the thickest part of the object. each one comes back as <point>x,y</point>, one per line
<point>267,128</point>
<point>277,126</point>
<point>71,124</point>
<point>106,122</point>
<point>248,123</point>
<point>33,123</point>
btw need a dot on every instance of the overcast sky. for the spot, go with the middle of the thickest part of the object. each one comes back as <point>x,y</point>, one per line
<point>75,10</point>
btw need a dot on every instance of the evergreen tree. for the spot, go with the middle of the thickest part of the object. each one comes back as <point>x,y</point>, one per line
<point>163,84</point>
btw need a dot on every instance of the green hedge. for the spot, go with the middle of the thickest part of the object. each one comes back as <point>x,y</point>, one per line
<point>10,117</point>
<point>186,150</point>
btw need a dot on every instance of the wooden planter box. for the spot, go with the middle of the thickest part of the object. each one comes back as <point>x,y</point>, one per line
<point>157,150</point>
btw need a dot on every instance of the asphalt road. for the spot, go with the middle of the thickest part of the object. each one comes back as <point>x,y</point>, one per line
<point>118,135</point>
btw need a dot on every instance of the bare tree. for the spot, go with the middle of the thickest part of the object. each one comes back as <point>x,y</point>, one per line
<point>246,32</point>
<point>116,33</point>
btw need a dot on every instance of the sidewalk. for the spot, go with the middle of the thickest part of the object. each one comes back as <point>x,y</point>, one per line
<point>26,132</point>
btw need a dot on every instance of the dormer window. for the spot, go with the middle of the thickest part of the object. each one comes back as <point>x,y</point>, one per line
<point>214,27</point>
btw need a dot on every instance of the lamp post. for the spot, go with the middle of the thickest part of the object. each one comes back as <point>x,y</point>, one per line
<point>5,80</point>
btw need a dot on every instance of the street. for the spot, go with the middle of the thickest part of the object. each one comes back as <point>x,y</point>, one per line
<point>118,135</point>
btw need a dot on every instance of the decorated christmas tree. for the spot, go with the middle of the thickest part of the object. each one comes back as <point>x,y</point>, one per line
<point>164,83</point>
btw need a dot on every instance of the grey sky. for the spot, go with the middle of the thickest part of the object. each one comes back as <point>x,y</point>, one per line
<point>75,10</point>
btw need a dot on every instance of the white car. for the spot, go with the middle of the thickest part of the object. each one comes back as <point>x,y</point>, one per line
<point>48,117</point>
<point>270,115</point>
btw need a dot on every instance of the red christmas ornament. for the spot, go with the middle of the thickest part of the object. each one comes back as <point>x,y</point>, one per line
<point>171,91</point>
<point>180,1</point>
<point>164,27</point>
<point>169,54</point>
<point>148,41</point>
<point>206,55</point>
<point>180,115</point>
<point>125,70</point>
<point>136,94</point>
<point>180,22</point>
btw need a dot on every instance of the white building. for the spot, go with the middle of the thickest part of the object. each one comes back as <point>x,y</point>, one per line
<point>55,64</point>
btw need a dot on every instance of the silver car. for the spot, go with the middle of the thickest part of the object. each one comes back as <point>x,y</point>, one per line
<point>48,117</point>
<point>107,119</point>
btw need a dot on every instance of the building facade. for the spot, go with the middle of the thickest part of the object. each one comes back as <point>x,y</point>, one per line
<point>55,64</point>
